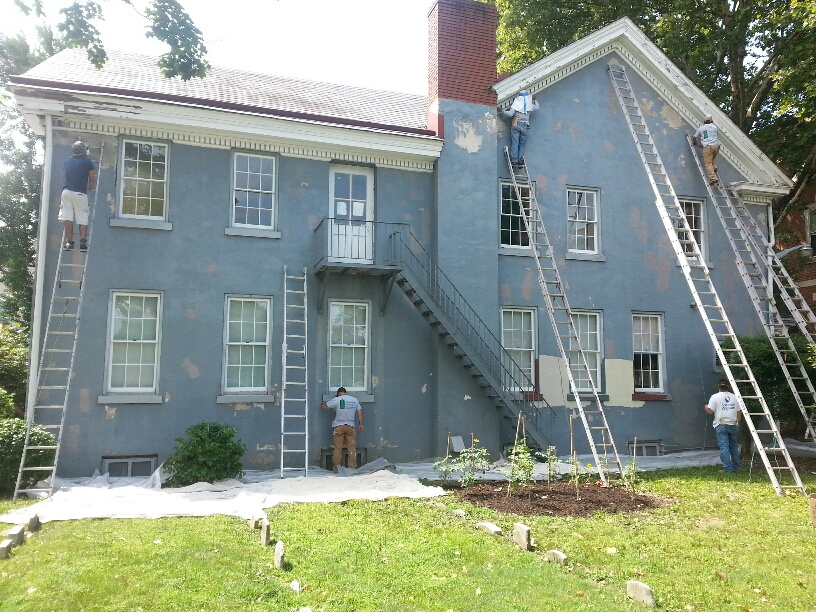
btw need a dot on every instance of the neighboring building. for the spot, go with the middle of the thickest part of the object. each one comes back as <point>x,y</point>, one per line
<point>209,187</point>
<point>799,227</point>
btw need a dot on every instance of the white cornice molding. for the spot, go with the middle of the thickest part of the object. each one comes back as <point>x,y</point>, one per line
<point>228,129</point>
<point>634,47</point>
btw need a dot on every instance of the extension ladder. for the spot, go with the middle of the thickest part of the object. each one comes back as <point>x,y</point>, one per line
<point>706,300</point>
<point>295,381</point>
<point>56,364</point>
<point>560,315</point>
<point>750,251</point>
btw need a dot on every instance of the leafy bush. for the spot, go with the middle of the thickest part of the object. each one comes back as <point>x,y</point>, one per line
<point>208,454</point>
<point>12,439</point>
<point>6,404</point>
<point>14,362</point>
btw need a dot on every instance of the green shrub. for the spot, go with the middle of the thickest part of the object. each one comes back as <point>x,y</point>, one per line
<point>12,439</point>
<point>14,362</point>
<point>208,454</point>
<point>6,404</point>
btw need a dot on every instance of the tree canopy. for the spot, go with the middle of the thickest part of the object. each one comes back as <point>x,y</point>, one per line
<point>167,21</point>
<point>754,58</point>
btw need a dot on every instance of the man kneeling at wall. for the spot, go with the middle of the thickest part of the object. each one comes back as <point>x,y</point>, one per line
<point>345,407</point>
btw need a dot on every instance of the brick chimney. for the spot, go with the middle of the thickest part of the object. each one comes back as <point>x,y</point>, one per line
<point>461,53</point>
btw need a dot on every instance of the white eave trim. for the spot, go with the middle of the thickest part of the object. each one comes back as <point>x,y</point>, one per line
<point>627,40</point>
<point>758,190</point>
<point>229,128</point>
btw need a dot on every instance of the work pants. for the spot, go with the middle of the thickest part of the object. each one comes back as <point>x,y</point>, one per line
<point>345,435</point>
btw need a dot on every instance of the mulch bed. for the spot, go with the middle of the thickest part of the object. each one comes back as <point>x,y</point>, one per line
<point>556,499</point>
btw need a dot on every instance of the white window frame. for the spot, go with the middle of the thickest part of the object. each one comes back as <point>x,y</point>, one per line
<point>507,195</point>
<point>112,342</point>
<point>266,343</point>
<point>697,224</point>
<point>590,349</point>
<point>660,351</point>
<point>510,344</point>
<point>810,228</point>
<point>335,382</point>
<point>123,179</point>
<point>257,191</point>
<point>573,245</point>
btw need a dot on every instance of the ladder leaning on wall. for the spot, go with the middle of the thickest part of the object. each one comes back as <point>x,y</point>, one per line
<point>784,476</point>
<point>56,365</point>
<point>751,252</point>
<point>294,445</point>
<point>592,414</point>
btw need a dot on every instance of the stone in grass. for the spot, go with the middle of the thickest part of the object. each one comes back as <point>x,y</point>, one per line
<point>555,556</point>
<point>640,592</point>
<point>279,555</point>
<point>521,536</point>
<point>16,534</point>
<point>5,549</point>
<point>459,513</point>
<point>489,527</point>
<point>33,523</point>
<point>265,536</point>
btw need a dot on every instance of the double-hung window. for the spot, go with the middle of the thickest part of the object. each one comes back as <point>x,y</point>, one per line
<point>253,196</point>
<point>247,336</point>
<point>348,345</point>
<point>582,221</point>
<point>647,341</point>
<point>588,327</point>
<point>693,212</point>
<point>513,229</point>
<point>144,180</point>
<point>133,350</point>
<point>518,339</point>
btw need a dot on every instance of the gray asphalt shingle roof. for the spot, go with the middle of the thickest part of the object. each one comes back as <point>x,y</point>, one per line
<point>132,74</point>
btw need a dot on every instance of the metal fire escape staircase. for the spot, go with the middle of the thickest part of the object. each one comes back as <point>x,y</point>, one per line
<point>56,364</point>
<point>552,289</point>
<point>783,476</point>
<point>295,378</point>
<point>760,276</point>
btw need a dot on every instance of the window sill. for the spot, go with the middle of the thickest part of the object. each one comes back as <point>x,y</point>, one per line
<point>363,398</point>
<point>604,397</point>
<point>516,251</point>
<point>245,399</point>
<point>130,398</point>
<point>254,232</point>
<point>651,397</point>
<point>585,256</point>
<point>141,224</point>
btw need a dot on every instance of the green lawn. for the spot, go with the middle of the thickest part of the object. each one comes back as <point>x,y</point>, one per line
<point>724,544</point>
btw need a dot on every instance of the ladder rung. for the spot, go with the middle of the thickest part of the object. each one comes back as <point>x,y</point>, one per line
<point>38,469</point>
<point>28,448</point>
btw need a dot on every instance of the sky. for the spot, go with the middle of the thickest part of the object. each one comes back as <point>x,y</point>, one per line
<point>379,44</point>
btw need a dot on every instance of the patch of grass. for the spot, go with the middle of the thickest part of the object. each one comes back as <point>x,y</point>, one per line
<point>725,543</point>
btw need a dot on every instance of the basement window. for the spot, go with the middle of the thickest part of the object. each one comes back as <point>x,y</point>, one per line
<point>646,448</point>
<point>129,466</point>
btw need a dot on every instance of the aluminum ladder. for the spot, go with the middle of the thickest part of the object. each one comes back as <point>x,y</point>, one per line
<point>738,371</point>
<point>56,364</point>
<point>592,415</point>
<point>751,251</point>
<point>294,445</point>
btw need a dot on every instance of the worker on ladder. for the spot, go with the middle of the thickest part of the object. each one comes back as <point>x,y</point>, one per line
<point>80,178</point>
<point>519,112</point>
<point>706,137</point>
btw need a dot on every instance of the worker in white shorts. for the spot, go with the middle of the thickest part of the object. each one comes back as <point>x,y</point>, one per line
<point>80,178</point>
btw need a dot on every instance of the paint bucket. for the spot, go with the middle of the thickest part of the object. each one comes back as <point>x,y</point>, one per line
<point>812,502</point>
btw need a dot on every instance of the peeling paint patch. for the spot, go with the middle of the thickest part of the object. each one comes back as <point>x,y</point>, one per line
<point>576,100</point>
<point>558,127</point>
<point>682,160</point>
<point>167,397</point>
<point>646,106</point>
<point>241,406</point>
<point>375,381</point>
<point>190,314</point>
<point>266,447</point>
<point>212,269</point>
<point>110,412</point>
<point>527,285</point>
<point>671,117</point>
<point>190,368</point>
<point>506,292</point>
<point>467,397</point>
<point>466,137</point>
<point>608,146</point>
<point>425,388</point>
<point>491,123</point>
<point>383,443</point>
<point>112,203</point>
<point>85,400</point>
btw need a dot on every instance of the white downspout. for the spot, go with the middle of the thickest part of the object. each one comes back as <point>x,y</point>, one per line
<point>39,271</point>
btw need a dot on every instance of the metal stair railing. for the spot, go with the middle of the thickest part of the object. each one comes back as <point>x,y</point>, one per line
<point>56,363</point>
<point>750,262</point>
<point>553,291</point>
<point>295,375</point>
<point>706,300</point>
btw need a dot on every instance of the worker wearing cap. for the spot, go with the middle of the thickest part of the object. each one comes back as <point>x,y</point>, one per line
<point>80,178</point>
<point>706,137</point>
<point>345,408</point>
